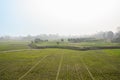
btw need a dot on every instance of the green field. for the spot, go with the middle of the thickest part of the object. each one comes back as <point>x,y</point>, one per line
<point>13,45</point>
<point>81,44</point>
<point>60,64</point>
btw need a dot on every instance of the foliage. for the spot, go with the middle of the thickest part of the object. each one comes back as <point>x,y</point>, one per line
<point>77,40</point>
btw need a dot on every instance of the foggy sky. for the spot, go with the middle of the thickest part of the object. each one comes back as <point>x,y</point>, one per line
<point>65,17</point>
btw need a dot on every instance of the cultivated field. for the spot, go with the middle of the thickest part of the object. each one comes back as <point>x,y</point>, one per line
<point>60,64</point>
<point>81,44</point>
<point>13,45</point>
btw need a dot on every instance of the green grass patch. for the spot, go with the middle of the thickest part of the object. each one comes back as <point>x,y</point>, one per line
<point>13,45</point>
<point>81,44</point>
<point>75,65</point>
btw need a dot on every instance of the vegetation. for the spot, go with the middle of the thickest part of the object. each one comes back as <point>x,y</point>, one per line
<point>81,44</point>
<point>19,62</point>
<point>13,45</point>
<point>57,64</point>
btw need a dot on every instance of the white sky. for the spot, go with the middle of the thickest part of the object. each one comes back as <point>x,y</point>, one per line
<point>67,16</point>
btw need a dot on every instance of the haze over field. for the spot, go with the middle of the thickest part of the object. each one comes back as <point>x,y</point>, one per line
<point>65,17</point>
<point>60,39</point>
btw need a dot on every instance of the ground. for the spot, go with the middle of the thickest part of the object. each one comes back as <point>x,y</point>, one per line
<point>23,63</point>
<point>59,64</point>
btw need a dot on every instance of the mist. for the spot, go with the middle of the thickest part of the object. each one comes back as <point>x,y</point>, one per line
<point>64,17</point>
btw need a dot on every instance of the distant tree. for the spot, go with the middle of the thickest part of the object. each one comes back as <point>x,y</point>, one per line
<point>68,39</point>
<point>78,40</point>
<point>58,43</point>
<point>37,40</point>
<point>46,40</point>
<point>100,35</point>
<point>62,40</point>
<point>109,35</point>
<point>117,33</point>
<point>117,40</point>
<point>32,42</point>
<point>118,29</point>
<point>117,36</point>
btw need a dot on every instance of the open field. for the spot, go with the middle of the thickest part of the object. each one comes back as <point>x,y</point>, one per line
<point>60,64</point>
<point>13,45</point>
<point>81,44</point>
<point>59,39</point>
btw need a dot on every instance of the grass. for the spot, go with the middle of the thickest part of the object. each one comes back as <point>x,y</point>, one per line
<point>13,45</point>
<point>82,44</point>
<point>60,64</point>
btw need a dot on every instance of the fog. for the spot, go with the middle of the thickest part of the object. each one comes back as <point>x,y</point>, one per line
<point>64,17</point>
